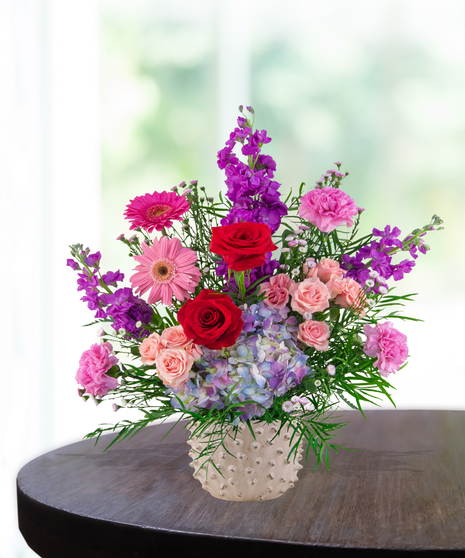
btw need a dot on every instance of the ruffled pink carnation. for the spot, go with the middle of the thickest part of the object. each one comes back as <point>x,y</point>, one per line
<point>93,365</point>
<point>277,290</point>
<point>387,344</point>
<point>328,208</point>
<point>155,211</point>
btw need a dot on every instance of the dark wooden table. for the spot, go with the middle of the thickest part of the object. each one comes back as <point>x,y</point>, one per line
<point>402,494</point>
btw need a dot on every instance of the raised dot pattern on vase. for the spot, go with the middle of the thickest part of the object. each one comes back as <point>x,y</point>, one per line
<point>253,469</point>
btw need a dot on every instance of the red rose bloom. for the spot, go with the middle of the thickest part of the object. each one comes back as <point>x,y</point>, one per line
<point>242,245</point>
<point>211,319</point>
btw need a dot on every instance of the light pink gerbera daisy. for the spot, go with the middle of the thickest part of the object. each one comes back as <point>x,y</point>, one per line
<point>155,211</point>
<point>166,268</point>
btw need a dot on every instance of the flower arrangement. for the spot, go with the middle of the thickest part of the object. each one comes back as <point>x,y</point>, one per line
<point>248,308</point>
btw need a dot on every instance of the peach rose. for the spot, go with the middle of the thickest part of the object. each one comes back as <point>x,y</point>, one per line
<point>277,290</point>
<point>352,296</point>
<point>174,338</point>
<point>150,348</point>
<point>194,350</point>
<point>335,285</point>
<point>314,334</point>
<point>311,295</point>
<point>173,366</point>
<point>327,267</point>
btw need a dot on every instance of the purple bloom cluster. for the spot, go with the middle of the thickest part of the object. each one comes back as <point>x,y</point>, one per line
<point>122,306</point>
<point>263,363</point>
<point>379,255</point>
<point>251,188</point>
<point>254,194</point>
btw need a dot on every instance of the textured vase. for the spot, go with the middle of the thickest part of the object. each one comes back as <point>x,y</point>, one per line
<point>258,469</point>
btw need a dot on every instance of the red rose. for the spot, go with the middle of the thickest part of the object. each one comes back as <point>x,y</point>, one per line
<point>242,245</point>
<point>211,319</point>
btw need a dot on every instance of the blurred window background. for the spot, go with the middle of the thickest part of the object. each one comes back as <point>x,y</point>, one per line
<point>101,102</point>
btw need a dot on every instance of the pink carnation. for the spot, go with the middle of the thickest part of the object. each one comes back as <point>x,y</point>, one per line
<point>388,344</point>
<point>93,365</point>
<point>277,290</point>
<point>328,208</point>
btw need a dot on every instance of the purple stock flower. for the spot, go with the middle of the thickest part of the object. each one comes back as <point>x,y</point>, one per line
<point>377,256</point>
<point>73,264</point>
<point>127,310</point>
<point>93,260</point>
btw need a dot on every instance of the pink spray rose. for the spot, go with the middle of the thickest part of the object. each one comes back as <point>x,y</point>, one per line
<point>328,208</point>
<point>174,338</point>
<point>150,348</point>
<point>173,366</point>
<point>277,290</point>
<point>194,350</point>
<point>311,295</point>
<point>335,285</point>
<point>314,334</point>
<point>327,267</point>
<point>388,344</point>
<point>352,296</point>
<point>93,365</point>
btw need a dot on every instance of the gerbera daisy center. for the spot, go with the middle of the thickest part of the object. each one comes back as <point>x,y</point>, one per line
<point>156,210</point>
<point>163,270</point>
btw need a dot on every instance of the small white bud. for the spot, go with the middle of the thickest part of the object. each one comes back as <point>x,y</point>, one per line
<point>374,274</point>
<point>302,249</point>
<point>308,315</point>
<point>205,269</point>
<point>383,290</point>
<point>114,407</point>
<point>295,272</point>
<point>100,332</point>
<point>139,324</point>
<point>121,331</point>
<point>371,303</point>
<point>123,402</point>
<point>285,250</point>
<point>370,283</point>
<point>317,383</point>
<point>302,242</point>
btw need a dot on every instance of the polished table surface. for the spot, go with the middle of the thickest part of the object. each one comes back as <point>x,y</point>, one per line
<point>401,494</point>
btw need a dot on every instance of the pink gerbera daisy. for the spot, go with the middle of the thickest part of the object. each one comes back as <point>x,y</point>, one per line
<point>166,268</point>
<point>155,211</point>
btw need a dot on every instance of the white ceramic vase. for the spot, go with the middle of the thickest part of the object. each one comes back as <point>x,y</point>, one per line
<point>251,469</point>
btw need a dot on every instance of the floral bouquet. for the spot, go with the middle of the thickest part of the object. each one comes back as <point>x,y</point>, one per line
<point>247,310</point>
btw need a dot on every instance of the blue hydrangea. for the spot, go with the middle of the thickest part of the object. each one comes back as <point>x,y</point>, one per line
<point>264,363</point>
